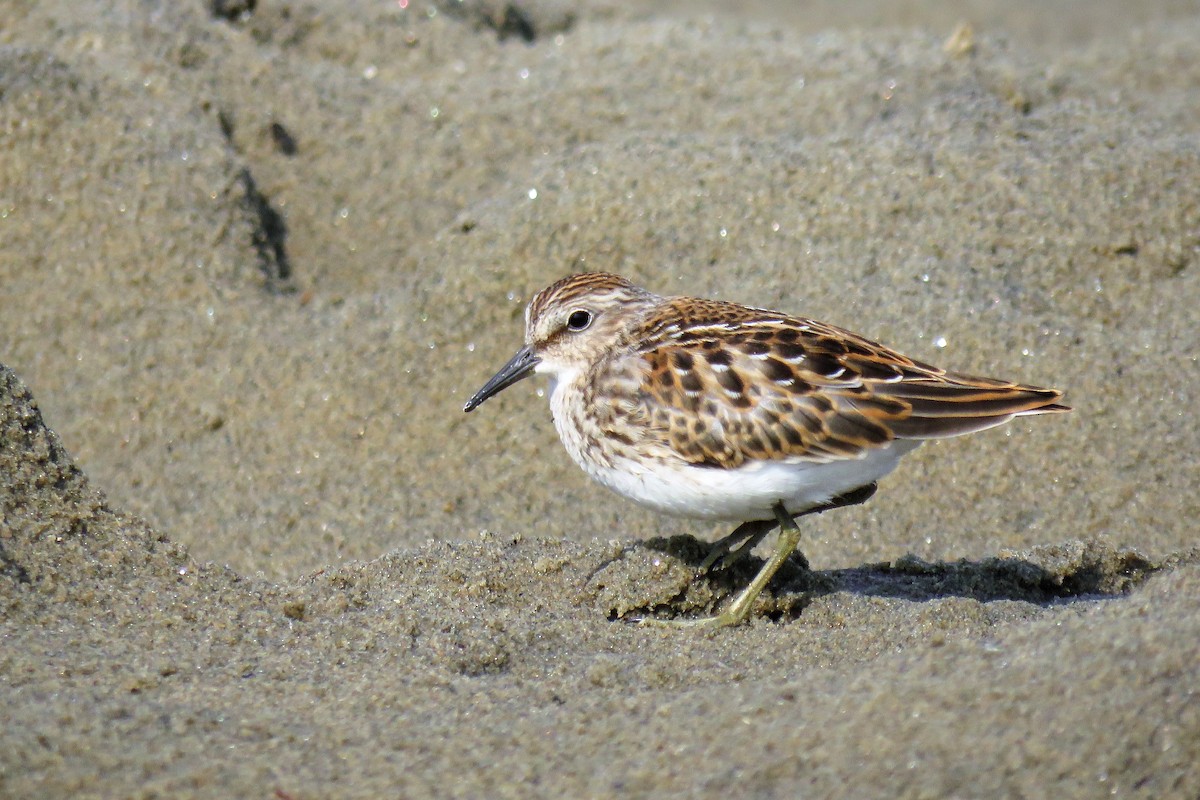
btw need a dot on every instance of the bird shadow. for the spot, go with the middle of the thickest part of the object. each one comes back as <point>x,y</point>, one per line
<point>1042,575</point>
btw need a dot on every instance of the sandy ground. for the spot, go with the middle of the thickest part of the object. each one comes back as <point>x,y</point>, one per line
<point>251,266</point>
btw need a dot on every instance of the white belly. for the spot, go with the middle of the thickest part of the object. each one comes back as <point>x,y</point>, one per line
<point>747,493</point>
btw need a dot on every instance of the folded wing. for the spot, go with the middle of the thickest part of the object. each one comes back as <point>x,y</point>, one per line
<point>733,384</point>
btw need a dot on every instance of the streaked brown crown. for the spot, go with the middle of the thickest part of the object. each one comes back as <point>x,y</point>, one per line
<point>595,287</point>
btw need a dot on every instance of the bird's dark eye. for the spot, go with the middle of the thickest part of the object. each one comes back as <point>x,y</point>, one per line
<point>579,320</point>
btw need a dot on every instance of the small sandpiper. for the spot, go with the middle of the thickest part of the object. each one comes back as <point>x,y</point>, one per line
<point>719,411</point>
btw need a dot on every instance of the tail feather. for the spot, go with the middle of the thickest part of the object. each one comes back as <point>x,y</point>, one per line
<point>964,405</point>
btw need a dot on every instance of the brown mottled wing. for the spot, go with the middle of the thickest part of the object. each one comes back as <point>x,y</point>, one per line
<point>728,384</point>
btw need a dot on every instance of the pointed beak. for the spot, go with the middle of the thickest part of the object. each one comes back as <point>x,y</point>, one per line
<point>519,366</point>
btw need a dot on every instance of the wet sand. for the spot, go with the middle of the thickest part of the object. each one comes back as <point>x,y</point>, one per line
<point>252,266</point>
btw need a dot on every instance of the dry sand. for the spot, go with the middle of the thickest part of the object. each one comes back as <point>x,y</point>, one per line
<point>251,268</point>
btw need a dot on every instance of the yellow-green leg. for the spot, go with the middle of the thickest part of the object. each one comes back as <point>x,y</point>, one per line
<point>733,548</point>
<point>789,539</point>
<point>739,609</point>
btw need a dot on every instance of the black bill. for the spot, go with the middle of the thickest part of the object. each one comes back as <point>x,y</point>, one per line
<point>519,366</point>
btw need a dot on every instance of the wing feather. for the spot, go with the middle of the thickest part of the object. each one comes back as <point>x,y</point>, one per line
<point>730,384</point>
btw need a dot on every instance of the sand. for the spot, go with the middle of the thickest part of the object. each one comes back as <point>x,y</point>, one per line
<point>251,266</point>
